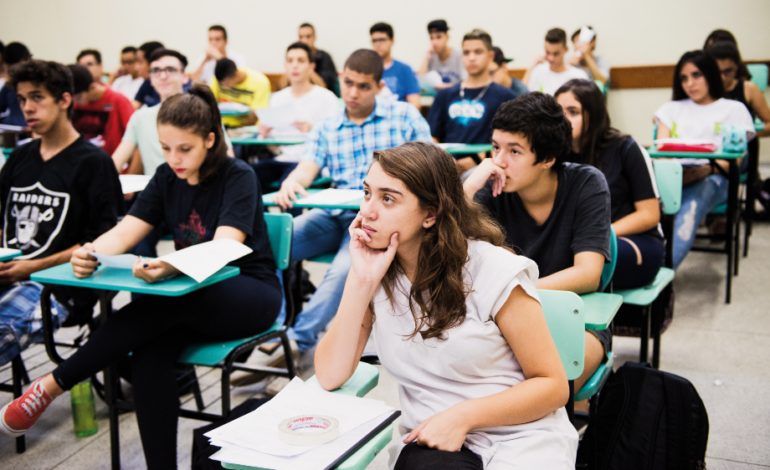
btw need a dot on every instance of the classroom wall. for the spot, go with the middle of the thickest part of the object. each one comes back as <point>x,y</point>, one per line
<point>629,33</point>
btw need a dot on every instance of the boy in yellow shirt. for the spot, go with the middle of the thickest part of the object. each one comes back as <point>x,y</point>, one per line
<point>244,86</point>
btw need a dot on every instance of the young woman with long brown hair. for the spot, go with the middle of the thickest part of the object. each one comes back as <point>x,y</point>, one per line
<point>456,321</point>
<point>201,195</point>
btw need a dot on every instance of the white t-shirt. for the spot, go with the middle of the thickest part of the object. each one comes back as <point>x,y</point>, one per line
<point>474,360</point>
<point>317,104</point>
<point>127,85</point>
<point>207,74</point>
<point>602,63</point>
<point>689,120</point>
<point>544,80</point>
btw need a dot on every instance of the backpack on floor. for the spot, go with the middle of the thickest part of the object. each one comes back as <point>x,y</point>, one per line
<point>646,419</point>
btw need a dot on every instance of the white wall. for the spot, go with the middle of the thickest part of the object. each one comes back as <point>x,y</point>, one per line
<point>629,33</point>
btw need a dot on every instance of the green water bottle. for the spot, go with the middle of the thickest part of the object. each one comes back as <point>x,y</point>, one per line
<point>83,409</point>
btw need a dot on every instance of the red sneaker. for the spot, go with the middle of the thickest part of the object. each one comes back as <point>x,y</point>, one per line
<point>22,413</point>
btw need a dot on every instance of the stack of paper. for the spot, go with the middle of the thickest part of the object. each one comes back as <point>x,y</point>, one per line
<point>331,197</point>
<point>134,183</point>
<point>198,261</point>
<point>279,117</point>
<point>252,440</point>
<point>234,107</point>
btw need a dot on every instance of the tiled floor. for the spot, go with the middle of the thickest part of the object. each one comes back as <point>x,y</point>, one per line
<point>721,348</point>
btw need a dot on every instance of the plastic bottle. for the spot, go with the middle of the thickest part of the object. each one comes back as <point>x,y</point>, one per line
<point>83,409</point>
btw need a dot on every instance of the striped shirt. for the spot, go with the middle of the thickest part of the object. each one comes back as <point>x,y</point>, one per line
<point>346,148</point>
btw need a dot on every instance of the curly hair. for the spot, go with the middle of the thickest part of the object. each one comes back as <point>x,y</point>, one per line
<point>437,296</point>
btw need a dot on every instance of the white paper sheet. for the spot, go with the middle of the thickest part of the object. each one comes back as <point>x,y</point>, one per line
<point>9,251</point>
<point>431,78</point>
<point>449,146</point>
<point>333,196</point>
<point>278,117</point>
<point>317,458</point>
<point>198,261</point>
<point>258,430</point>
<point>231,106</point>
<point>134,183</point>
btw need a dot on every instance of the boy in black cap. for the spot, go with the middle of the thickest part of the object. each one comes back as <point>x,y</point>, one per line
<point>499,70</point>
<point>443,59</point>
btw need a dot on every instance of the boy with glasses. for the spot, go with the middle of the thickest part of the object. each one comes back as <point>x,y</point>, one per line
<point>147,94</point>
<point>398,76</point>
<point>126,78</point>
<point>463,113</point>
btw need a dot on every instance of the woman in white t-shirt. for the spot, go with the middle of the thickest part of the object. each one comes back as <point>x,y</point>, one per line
<point>698,111</point>
<point>456,321</point>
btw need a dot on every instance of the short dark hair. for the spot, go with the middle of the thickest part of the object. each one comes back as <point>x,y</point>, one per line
<point>438,26</point>
<point>720,35</point>
<point>577,31</point>
<point>221,28</point>
<point>15,52</point>
<point>304,47</point>
<point>225,68</point>
<point>540,119</point>
<point>479,35</point>
<point>128,50</point>
<point>556,36</point>
<point>197,111</point>
<point>367,62</point>
<point>97,55</point>
<point>708,67</point>
<point>149,47</point>
<point>163,52</point>
<point>722,50</point>
<point>382,28</point>
<point>81,78</point>
<point>53,76</point>
<point>307,25</point>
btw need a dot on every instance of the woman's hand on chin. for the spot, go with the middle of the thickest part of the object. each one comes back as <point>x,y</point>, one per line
<point>369,265</point>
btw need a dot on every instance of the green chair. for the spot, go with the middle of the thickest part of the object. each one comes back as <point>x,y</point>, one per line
<point>223,354</point>
<point>668,175</point>
<point>604,87</point>
<point>609,268</point>
<point>758,74</point>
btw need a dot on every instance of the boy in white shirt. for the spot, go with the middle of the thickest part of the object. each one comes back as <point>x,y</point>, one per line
<point>127,79</point>
<point>310,103</point>
<point>217,49</point>
<point>550,72</point>
<point>596,66</point>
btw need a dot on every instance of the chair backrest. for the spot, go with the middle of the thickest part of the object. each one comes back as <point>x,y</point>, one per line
<point>609,268</point>
<point>758,75</point>
<point>668,175</point>
<point>566,321</point>
<point>279,231</point>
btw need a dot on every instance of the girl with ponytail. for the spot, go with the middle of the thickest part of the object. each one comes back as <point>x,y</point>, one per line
<point>201,195</point>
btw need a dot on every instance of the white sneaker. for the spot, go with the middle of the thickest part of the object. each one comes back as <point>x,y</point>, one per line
<point>276,385</point>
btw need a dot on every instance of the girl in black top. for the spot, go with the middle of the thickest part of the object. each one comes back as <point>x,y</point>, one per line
<point>201,195</point>
<point>635,210</point>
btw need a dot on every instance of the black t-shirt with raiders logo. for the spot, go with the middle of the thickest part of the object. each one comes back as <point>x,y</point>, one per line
<point>231,197</point>
<point>49,206</point>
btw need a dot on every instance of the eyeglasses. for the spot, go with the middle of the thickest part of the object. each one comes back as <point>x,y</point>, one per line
<point>168,71</point>
<point>127,62</point>
<point>375,41</point>
<point>728,72</point>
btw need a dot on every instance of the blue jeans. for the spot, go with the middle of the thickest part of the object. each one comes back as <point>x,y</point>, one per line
<point>315,233</point>
<point>698,200</point>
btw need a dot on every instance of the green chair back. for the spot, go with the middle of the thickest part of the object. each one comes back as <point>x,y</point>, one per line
<point>566,322</point>
<point>279,230</point>
<point>609,268</point>
<point>758,75</point>
<point>668,176</point>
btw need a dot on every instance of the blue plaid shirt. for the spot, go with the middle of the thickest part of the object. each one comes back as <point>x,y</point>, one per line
<point>346,148</point>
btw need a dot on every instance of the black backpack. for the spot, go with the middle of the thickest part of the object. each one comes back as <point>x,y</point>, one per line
<point>646,419</point>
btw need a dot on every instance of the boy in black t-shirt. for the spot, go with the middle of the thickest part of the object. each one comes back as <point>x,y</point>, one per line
<point>463,113</point>
<point>555,213</point>
<point>57,193</point>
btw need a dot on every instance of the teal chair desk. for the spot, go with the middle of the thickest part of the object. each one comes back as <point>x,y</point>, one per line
<point>9,254</point>
<point>267,200</point>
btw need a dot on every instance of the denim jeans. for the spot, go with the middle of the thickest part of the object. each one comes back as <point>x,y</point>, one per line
<point>317,232</point>
<point>698,200</point>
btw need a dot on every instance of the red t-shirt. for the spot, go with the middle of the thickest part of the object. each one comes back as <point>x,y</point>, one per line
<point>104,122</point>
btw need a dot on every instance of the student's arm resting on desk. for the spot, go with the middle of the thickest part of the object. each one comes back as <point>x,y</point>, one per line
<point>20,269</point>
<point>296,182</point>
<point>544,390</point>
<point>583,277</point>
<point>341,347</point>
<point>124,236</point>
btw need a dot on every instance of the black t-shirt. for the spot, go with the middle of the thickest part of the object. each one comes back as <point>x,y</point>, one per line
<point>466,119</point>
<point>50,206</point>
<point>579,220</point>
<point>324,66</point>
<point>628,178</point>
<point>231,198</point>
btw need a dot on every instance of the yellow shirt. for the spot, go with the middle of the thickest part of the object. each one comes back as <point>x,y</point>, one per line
<point>254,92</point>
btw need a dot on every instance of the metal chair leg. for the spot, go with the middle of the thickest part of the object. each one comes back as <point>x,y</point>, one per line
<point>18,373</point>
<point>645,336</point>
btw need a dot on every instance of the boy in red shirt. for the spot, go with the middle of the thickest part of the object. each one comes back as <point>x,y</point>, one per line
<point>100,114</point>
